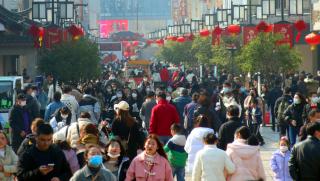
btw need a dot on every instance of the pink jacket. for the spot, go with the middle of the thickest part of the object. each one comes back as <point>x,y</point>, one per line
<point>247,160</point>
<point>162,170</point>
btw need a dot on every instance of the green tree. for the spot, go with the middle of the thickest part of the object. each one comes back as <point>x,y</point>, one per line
<point>202,48</point>
<point>72,61</point>
<point>265,55</point>
<point>176,53</point>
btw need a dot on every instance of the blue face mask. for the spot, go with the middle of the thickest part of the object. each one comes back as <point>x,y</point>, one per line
<point>95,161</point>
<point>226,90</point>
<point>243,90</point>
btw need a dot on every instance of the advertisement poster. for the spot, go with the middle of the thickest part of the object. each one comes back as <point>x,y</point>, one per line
<point>315,19</point>
<point>249,33</point>
<point>108,27</point>
<point>287,32</point>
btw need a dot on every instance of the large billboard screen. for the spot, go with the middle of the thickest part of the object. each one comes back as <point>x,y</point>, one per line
<point>108,27</point>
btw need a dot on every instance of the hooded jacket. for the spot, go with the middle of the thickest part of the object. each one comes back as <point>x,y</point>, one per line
<point>247,160</point>
<point>279,166</point>
<point>177,156</point>
<point>91,105</point>
<point>194,144</point>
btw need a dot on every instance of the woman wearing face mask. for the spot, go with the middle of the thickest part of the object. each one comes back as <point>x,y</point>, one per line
<point>294,116</point>
<point>108,94</point>
<point>135,103</point>
<point>151,164</point>
<point>62,118</point>
<point>8,159</point>
<point>93,170</point>
<point>279,161</point>
<point>115,160</point>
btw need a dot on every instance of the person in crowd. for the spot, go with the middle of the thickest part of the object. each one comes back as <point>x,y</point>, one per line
<point>293,115</point>
<point>76,93</point>
<point>194,141</point>
<point>53,86</point>
<point>304,163</point>
<point>53,106</point>
<point>43,161</point>
<point>274,95</point>
<point>205,109</point>
<point>174,149</point>
<point>8,159</point>
<point>115,159</point>
<point>135,102</point>
<point>280,106</point>
<point>226,99</point>
<point>163,115</point>
<point>143,86</point>
<point>228,129</point>
<point>253,95</point>
<point>32,103</point>
<point>313,103</point>
<point>69,153</point>
<point>108,94</point>
<point>43,100</point>
<point>127,129</point>
<point>151,164</point>
<point>118,97</point>
<point>302,86</point>
<point>254,119</point>
<point>30,138</point>
<point>313,116</point>
<point>164,74</point>
<point>20,121</point>
<point>181,101</point>
<point>90,104</point>
<point>212,163</point>
<point>279,161</point>
<point>93,170</point>
<point>246,157</point>
<point>188,113</point>
<point>74,129</point>
<point>62,118</point>
<point>70,101</point>
<point>146,109</point>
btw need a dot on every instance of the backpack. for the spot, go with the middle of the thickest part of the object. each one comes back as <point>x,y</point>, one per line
<point>284,104</point>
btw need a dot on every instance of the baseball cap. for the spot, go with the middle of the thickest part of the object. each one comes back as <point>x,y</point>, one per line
<point>123,105</point>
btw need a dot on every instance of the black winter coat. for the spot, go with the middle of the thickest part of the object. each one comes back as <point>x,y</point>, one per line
<point>304,163</point>
<point>214,121</point>
<point>227,131</point>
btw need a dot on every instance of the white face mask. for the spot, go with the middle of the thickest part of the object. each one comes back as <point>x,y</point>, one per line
<point>33,94</point>
<point>64,116</point>
<point>315,100</point>
<point>168,98</point>
<point>23,103</point>
<point>113,156</point>
<point>134,95</point>
<point>283,149</point>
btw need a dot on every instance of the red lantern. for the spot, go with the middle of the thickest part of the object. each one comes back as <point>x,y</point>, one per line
<point>313,40</point>
<point>75,31</point>
<point>34,30</point>
<point>160,42</point>
<point>172,38</point>
<point>204,33</point>
<point>217,30</point>
<point>262,26</point>
<point>300,26</point>
<point>181,39</point>
<point>269,28</point>
<point>234,29</point>
<point>135,43</point>
<point>126,54</point>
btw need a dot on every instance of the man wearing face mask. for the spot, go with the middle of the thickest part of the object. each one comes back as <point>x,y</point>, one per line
<point>20,121</point>
<point>135,103</point>
<point>226,99</point>
<point>304,163</point>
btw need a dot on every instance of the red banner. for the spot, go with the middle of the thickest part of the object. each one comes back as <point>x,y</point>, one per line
<point>249,33</point>
<point>52,36</point>
<point>286,30</point>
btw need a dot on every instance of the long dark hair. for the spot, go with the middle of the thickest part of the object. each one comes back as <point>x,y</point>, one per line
<point>160,149</point>
<point>125,116</point>
<point>64,110</point>
<point>122,151</point>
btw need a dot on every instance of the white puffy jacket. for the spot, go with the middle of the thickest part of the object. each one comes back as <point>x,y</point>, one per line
<point>74,132</point>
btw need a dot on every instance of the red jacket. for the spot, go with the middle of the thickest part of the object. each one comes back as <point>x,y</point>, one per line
<point>163,115</point>
<point>164,75</point>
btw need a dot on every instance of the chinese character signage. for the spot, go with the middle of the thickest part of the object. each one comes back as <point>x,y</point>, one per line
<point>249,33</point>
<point>286,30</point>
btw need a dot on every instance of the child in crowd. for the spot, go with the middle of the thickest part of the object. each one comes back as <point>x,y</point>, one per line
<point>254,120</point>
<point>177,156</point>
<point>279,161</point>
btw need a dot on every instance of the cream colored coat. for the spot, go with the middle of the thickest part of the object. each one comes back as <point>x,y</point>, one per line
<point>9,162</point>
<point>210,164</point>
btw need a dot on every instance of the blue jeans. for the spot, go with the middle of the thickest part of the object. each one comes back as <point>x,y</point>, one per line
<point>293,132</point>
<point>179,172</point>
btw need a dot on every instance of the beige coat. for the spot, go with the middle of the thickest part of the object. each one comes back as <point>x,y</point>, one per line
<point>9,162</point>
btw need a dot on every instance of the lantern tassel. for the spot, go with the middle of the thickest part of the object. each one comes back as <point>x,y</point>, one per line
<point>313,47</point>
<point>298,36</point>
